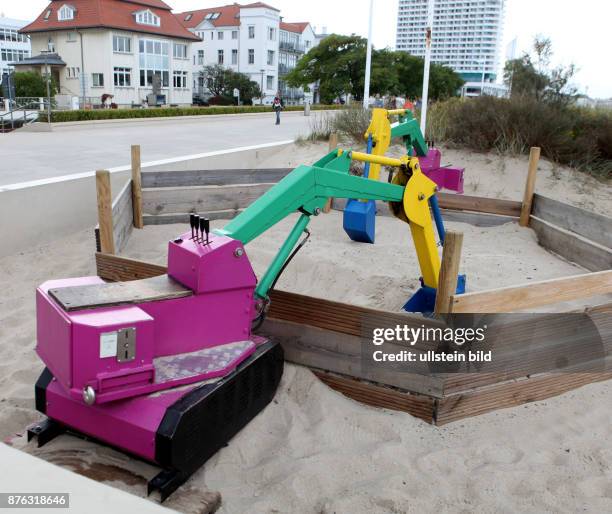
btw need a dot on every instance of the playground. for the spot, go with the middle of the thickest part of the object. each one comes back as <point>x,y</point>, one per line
<point>528,250</point>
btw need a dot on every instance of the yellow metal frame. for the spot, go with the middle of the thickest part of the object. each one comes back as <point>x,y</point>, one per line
<point>417,192</point>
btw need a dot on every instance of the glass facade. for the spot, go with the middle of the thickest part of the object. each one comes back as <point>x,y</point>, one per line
<point>154,60</point>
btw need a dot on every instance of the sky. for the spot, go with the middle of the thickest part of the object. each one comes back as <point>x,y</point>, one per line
<point>580,31</point>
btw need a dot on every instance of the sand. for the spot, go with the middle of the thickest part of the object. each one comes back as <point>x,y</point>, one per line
<point>313,450</point>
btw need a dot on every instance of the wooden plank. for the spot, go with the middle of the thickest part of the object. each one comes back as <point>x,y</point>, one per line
<point>449,271</point>
<point>589,225</point>
<point>123,221</point>
<point>105,211</point>
<point>165,219</point>
<point>420,406</point>
<point>511,393</point>
<point>338,352</point>
<point>111,294</point>
<point>477,219</point>
<point>479,204</point>
<point>200,198</point>
<point>218,177</point>
<point>534,158</point>
<point>120,269</point>
<point>535,294</point>
<point>136,187</point>
<point>571,246</point>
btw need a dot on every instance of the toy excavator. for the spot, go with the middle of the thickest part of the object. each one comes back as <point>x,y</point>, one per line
<point>168,368</point>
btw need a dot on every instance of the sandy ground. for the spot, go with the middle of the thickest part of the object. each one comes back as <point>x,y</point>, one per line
<point>313,450</point>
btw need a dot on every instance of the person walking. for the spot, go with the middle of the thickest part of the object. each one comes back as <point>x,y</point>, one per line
<point>277,105</point>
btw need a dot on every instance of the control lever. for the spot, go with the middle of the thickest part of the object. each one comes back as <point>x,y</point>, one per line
<point>207,228</point>
<point>193,222</point>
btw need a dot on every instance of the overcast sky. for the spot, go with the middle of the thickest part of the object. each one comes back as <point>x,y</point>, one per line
<point>580,31</point>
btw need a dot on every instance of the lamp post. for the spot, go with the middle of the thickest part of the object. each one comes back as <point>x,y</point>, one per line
<point>428,32</point>
<point>366,85</point>
<point>47,80</point>
<point>262,89</point>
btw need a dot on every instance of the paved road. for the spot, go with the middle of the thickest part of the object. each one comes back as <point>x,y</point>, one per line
<point>26,156</point>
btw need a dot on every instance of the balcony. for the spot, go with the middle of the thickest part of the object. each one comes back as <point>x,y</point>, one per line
<point>283,69</point>
<point>290,46</point>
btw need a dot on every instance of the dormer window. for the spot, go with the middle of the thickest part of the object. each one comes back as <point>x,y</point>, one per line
<point>188,17</point>
<point>147,18</point>
<point>212,15</point>
<point>66,13</point>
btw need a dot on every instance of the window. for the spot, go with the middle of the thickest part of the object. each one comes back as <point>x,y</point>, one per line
<point>65,13</point>
<point>271,33</point>
<point>234,34</point>
<point>234,56</point>
<point>47,14</point>
<point>220,57</point>
<point>188,17</point>
<point>154,61</point>
<point>200,57</point>
<point>73,73</point>
<point>212,15</point>
<point>71,37</point>
<point>97,79</point>
<point>220,35</point>
<point>180,51</point>
<point>251,31</point>
<point>251,56</point>
<point>270,57</point>
<point>10,55</point>
<point>179,79</point>
<point>212,34</point>
<point>147,18</point>
<point>307,44</point>
<point>122,44</point>
<point>270,82</point>
<point>123,77</point>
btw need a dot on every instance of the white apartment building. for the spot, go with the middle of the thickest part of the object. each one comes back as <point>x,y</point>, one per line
<point>466,35</point>
<point>13,45</point>
<point>114,47</point>
<point>244,38</point>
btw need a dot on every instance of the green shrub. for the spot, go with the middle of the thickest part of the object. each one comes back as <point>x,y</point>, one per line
<point>164,112</point>
<point>352,122</point>
<point>572,136</point>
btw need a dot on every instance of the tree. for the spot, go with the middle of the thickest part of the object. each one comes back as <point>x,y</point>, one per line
<point>338,64</point>
<point>222,81</point>
<point>532,76</point>
<point>32,84</point>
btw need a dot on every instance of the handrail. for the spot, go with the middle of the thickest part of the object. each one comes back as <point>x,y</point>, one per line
<point>24,108</point>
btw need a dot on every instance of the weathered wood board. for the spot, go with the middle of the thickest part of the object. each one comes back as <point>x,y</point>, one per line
<point>163,200</point>
<point>166,219</point>
<point>123,217</point>
<point>217,177</point>
<point>589,225</point>
<point>571,246</point>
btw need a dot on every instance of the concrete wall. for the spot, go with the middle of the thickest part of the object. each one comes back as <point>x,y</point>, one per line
<point>40,211</point>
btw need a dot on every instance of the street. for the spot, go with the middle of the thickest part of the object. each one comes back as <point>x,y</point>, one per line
<point>28,156</point>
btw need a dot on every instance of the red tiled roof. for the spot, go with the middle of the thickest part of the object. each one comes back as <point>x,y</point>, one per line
<point>117,14</point>
<point>229,15</point>
<point>298,27</point>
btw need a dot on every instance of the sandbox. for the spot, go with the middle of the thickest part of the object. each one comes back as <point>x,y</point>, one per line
<point>563,260</point>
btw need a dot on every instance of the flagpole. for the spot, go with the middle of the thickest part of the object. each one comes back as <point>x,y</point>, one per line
<point>366,86</point>
<point>424,96</point>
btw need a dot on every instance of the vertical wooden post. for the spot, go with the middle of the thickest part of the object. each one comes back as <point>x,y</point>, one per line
<point>105,211</point>
<point>534,157</point>
<point>449,271</point>
<point>136,187</point>
<point>333,144</point>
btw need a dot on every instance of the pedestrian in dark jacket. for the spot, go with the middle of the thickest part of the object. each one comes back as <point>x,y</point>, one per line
<point>277,105</point>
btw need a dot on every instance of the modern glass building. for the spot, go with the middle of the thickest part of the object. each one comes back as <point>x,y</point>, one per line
<point>467,34</point>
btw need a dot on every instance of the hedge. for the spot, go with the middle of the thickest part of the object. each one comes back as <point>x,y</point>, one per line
<point>164,112</point>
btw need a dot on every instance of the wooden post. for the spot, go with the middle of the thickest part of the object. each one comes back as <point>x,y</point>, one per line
<point>333,144</point>
<point>534,157</point>
<point>449,271</point>
<point>105,211</point>
<point>136,187</point>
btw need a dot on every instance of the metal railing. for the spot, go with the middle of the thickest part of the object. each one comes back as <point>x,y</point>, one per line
<point>290,46</point>
<point>24,114</point>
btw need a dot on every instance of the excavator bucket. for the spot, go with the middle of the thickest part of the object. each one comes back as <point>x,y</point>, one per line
<point>359,221</point>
